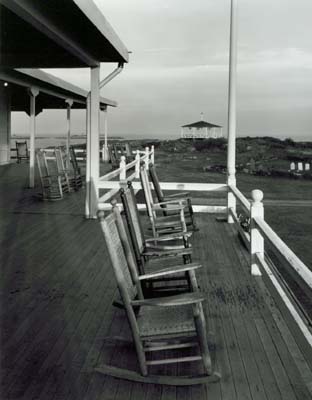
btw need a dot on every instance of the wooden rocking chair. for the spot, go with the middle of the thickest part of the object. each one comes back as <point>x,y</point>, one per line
<point>157,324</point>
<point>75,170</point>
<point>174,243</point>
<point>72,175</point>
<point>113,157</point>
<point>22,151</point>
<point>162,224</point>
<point>188,212</point>
<point>151,260</point>
<point>51,183</point>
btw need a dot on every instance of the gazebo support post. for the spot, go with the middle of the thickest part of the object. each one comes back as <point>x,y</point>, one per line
<point>33,93</point>
<point>93,162</point>
<point>231,179</point>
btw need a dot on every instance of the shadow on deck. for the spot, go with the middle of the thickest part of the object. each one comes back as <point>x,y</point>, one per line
<point>57,287</point>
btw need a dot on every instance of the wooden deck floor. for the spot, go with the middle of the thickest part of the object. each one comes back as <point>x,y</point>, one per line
<point>56,292</point>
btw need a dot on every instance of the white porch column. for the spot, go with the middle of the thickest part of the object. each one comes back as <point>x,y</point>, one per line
<point>105,155</point>
<point>5,123</point>
<point>69,103</point>
<point>93,161</point>
<point>231,179</point>
<point>33,93</point>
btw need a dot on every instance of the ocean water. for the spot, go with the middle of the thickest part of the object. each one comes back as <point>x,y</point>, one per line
<point>44,142</point>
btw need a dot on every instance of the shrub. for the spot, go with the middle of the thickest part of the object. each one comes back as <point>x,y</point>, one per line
<point>209,144</point>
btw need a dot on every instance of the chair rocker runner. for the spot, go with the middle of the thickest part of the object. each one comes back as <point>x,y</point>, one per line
<point>189,213</point>
<point>157,324</point>
<point>162,224</point>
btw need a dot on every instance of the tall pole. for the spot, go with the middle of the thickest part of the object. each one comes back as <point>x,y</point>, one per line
<point>33,93</point>
<point>231,179</point>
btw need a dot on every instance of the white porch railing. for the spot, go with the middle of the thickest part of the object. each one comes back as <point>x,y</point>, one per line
<point>147,156</point>
<point>261,237</point>
<point>256,238</point>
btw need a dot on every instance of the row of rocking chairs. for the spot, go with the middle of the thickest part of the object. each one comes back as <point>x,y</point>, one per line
<point>58,174</point>
<point>158,287</point>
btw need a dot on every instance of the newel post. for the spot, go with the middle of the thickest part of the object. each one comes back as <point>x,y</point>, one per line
<point>256,239</point>
<point>122,167</point>
<point>146,161</point>
<point>137,164</point>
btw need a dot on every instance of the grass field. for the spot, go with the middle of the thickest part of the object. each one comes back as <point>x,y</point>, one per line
<point>293,224</point>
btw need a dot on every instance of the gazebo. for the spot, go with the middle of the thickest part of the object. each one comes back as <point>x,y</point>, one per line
<point>201,130</point>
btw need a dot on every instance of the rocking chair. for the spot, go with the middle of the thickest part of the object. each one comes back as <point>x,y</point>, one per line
<point>189,213</point>
<point>154,260</point>
<point>162,224</point>
<point>51,183</point>
<point>157,324</point>
<point>113,157</point>
<point>72,175</point>
<point>174,243</point>
<point>74,163</point>
<point>22,151</point>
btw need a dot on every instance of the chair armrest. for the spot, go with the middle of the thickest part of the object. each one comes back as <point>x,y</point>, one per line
<point>173,236</point>
<point>175,269</point>
<point>182,195</point>
<point>178,300</point>
<point>177,202</point>
<point>167,252</point>
<point>174,207</point>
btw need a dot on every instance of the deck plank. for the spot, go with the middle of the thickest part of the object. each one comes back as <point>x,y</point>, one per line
<point>57,285</point>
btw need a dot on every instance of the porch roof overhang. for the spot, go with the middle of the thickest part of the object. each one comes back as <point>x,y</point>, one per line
<point>57,34</point>
<point>53,91</point>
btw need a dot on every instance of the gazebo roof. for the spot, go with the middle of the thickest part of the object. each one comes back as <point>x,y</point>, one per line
<point>57,34</point>
<point>53,91</point>
<point>201,124</point>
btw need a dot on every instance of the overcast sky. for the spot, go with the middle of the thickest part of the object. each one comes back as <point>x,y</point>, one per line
<point>179,68</point>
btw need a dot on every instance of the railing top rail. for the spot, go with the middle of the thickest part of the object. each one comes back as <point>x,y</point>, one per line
<point>298,266</point>
<point>130,165</point>
<point>239,195</point>
<point>110,175</point>
<point>113,174</point>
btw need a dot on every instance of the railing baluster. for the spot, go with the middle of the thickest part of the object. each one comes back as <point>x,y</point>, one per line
<point>256,239</point>
<point>152,155</point>
<point>137,165</point>
<point>122,167</point>
<point>146,160</point>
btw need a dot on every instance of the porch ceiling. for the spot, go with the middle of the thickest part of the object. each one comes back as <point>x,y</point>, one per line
<point>53,91</point>
<point>56,34</point>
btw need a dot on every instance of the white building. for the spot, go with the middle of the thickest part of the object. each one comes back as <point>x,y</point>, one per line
<point>201,130</point>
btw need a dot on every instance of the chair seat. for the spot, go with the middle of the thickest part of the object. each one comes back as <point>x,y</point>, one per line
<point>159,321</point>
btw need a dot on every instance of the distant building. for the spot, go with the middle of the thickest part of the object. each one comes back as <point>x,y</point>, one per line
<point>201,130</point>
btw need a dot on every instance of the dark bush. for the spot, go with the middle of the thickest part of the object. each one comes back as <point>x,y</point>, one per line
<point>209,144</point>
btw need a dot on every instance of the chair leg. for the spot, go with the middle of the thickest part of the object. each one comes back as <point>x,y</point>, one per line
<point>202,336</point>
